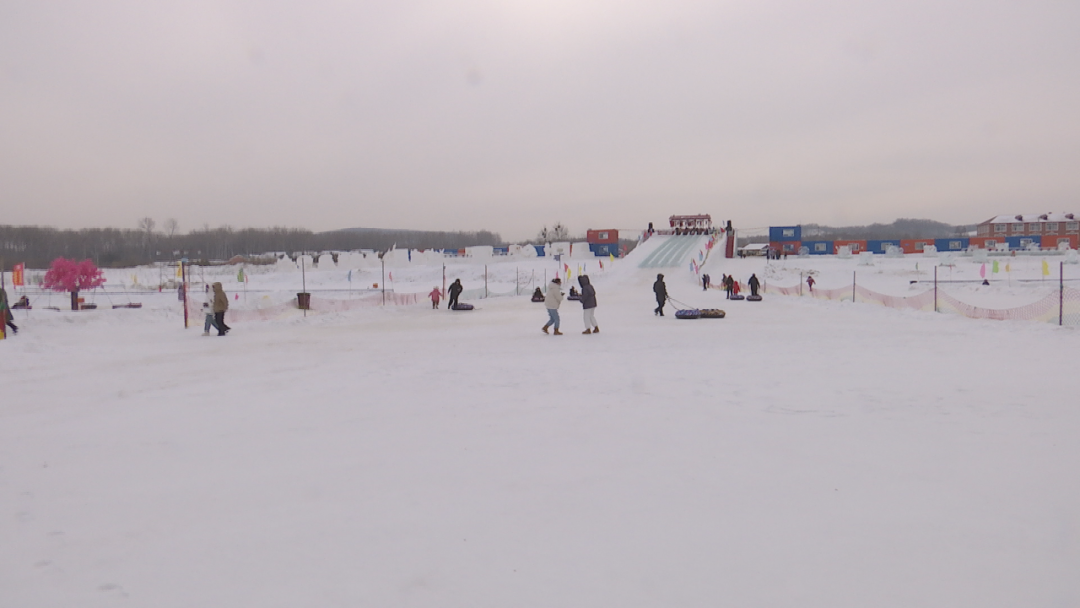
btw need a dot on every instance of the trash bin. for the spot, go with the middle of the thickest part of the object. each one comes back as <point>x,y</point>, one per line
<point>303,301</point>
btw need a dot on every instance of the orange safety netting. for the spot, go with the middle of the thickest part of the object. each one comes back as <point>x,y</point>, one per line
<point>1061,306</point>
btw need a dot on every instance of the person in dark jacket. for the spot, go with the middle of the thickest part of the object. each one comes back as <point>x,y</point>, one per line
<point>455,291</point>
<point>660,289</point>
<point>588,304</point>
<point>705,282</point>
<point>5,310</point>
<point>729,285</point>
<point>754,284</point>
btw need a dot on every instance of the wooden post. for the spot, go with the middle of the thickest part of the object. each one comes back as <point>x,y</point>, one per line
<point>935,289</point>
<point>485,281</point>
<point>183,283</point>
<point>1061,293</point>
<point>303,281</point>
<point>853,286</point>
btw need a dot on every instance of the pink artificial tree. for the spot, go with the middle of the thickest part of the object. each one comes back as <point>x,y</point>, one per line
<point>69,275</point>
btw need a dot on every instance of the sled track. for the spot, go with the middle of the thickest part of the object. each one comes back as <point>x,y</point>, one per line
<point>672,253</point>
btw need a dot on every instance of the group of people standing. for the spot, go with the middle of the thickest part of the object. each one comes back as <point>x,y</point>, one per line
<point>554,297</point>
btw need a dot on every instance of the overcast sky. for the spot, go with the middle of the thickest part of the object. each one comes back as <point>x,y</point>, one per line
<point>507,115</point>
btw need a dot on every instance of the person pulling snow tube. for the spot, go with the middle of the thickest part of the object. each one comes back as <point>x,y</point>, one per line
<point>688,313</point>
<point>712,313</point>
<point>462,306</point>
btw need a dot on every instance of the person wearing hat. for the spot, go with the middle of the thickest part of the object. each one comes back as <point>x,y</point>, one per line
<point>220,305</point>
<point>660,289</point>
<point>551,302</point>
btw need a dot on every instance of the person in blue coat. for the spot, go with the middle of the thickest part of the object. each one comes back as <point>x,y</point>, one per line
<point>588,304</point>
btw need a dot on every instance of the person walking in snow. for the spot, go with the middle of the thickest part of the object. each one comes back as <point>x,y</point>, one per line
<point>729,285</point>
<point>435,296</point>
<point>588,305</point>
<point>455,291</point>
<point>221,304</point>
<point>660,289</point>
<point>551,302</point>
<point>705,282</point>
<point>5,310</point>
<point>810,282</point>
<point>754,284</point>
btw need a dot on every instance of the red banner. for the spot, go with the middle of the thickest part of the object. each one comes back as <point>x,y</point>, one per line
<point>17,275</point>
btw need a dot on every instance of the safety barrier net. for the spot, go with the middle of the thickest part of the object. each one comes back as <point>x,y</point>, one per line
<point>1061,306</point>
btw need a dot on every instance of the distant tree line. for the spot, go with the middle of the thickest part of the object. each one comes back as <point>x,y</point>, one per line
<point>37,246</point>
<point>899,229</point>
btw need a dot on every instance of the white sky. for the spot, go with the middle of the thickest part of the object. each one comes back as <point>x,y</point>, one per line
<point>507,115</point>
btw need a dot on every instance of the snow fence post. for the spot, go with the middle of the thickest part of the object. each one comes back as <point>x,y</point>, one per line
<point>935,289</point>
<point>183,281</point>
<point>1061,293</point>
<point>303,283</point>
<point>853,286</point>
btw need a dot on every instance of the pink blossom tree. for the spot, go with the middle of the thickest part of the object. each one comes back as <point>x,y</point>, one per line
<point>69,275</point>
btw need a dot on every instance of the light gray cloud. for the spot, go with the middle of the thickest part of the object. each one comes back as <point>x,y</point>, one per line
<point>509,115</point>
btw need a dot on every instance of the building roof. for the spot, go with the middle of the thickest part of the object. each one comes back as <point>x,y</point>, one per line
<point>1031,217</point>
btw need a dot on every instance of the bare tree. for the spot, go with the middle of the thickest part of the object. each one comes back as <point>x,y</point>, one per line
<point>558,232</point>
<point>171,226</point>
<point>146,225</point>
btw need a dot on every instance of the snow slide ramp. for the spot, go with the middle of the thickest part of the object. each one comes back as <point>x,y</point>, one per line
<point>671,251</point>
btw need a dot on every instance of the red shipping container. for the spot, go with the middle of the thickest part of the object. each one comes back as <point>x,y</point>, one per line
<point>595,237</point>
<point>915,245</point>
<point>856,246</point>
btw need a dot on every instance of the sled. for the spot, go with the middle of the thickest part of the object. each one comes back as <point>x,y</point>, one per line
<point>712,313</point>
<point>753,298</point>
<point>461,306</point>
<point>538,299</point>
<point>575,298</point>
<point>128,305</point>
<point>690,313</point>
<point>737,297</point>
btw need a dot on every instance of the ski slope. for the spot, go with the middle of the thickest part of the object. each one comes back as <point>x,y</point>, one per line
<point>667,251</point>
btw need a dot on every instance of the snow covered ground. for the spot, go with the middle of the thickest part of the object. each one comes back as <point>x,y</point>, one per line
<point>796,453</point>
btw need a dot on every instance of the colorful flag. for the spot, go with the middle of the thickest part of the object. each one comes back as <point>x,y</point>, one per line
<point>995,270</point>
<point>601,262</point>
<point>350,276</point>
<point>982,271</point>
<point>240,276</point>
<point>17,274</point>
<point>612,256</point>
<point>1046,269</point>
<point>1008,267</point>
<point>180,271</point>
<point>391,276</point>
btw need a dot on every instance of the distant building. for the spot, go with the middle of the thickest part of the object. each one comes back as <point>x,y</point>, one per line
<point>1046,224</point>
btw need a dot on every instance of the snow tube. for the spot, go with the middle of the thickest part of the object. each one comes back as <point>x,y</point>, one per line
<point>575,298</point>
<point>712,313</point>
<point>753,298</point>
<point>691,313</point>
<point>738,297</point>
<point>537,299</point>
<point>460,306</point>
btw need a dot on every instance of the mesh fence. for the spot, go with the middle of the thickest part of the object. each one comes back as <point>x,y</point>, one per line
<point>1061,306</point>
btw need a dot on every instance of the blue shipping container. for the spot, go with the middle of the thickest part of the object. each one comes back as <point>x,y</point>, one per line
<point>1022,242</point>
<point>785,233</point>
<point>818,247</point>
<point>604,249</point>
<point>882,245</point>
<point>953,244</point>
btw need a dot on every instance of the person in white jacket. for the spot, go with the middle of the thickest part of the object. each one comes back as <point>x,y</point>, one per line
<point>552,301</point>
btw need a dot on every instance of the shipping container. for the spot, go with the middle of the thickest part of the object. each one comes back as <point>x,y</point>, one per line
<point>915,245</point>
<point>856,246</point>
<point>1020,243</point>
<point>602,236</point>
<point>779,234</point>
<point>952,244</point>
<point>539,250</point>
<point>604,249</point>
<point>818,247</point>
<point>881,245</point>
<point>786,247</point>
